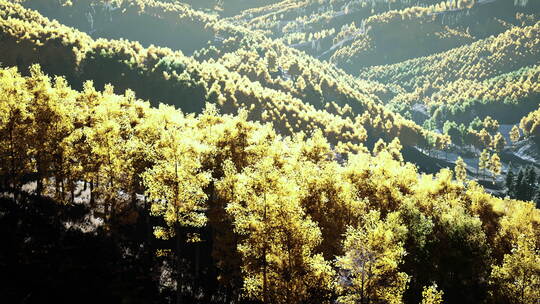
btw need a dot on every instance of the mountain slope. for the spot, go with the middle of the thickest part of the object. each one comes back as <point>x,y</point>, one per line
<point>357,109</point>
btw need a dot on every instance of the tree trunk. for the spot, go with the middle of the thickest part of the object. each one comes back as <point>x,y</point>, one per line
<point>265,262</point>
<point>178,259</point>
<point>56,186</point>
<point>178,267</point>
<point>73,186</point>
<point>92,202</point>
<point>12,154</point>
<point>265,278</point>
<point>197,260</point>
<point>63,188</point>
<point>39,182</point>
<point>147,220</point>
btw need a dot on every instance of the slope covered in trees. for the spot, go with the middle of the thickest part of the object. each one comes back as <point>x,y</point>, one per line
<point>452,60</point>
<point>279,67</point>
<point>361,33</point>
<point>316,27</point>
<point>155,73</point>
<point>284,219</point>
<point>233,151</point>
<point>228,38</point>
<point>418,31</point>
<point>180,26</point>
<point>161,74</point>
<point>496,77</point>
<point>511,50</point>
<point>506,97</point>
<point>482,40</point>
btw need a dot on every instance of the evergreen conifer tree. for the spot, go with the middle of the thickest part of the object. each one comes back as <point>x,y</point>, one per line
<point>510,183</point>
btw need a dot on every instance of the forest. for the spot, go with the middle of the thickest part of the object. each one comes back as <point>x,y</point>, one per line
<point>270,151</point>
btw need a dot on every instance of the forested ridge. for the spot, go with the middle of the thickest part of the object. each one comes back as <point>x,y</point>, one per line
<point>419,48</point>
<point>511,50</point>
<point>174,76</point>
<point>267,151</point>
<point>284,218</point>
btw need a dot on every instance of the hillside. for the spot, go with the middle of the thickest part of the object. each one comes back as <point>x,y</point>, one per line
<point>270,151</point>
<point>420,50</point>
<point>242,188</point>
<point>357,109</point>
<point>155,73</point>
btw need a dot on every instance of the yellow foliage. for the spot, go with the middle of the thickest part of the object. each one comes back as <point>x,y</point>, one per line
<point>517,280</point>
<point>282,208</point>
<point>431,295</point>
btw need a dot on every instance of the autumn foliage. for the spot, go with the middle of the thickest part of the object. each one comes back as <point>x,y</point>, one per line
<point>305,223</point>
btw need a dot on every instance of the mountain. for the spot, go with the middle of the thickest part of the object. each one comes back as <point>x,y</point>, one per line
<point>270,151</point>
<point>349,99</point>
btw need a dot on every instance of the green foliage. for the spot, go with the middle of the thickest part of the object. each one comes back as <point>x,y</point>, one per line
<point>523,186</point>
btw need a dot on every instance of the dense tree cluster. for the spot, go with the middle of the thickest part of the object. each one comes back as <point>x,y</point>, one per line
<point>495,77</point>
<point>523,185</point>
<point>514,49</point>
<point>507,97</point>
<point>357,34</point>
<point>156,73</point>
<point>530,124</point>
<point>229,39</point>
<point>318,27</point>
<point>180,26</point>
<point>395,35</point>
<point>285,219</point>
<point>273,176</point>
<point>493,73</point>
<point>347,111</point>
<point>499,81</point>
<point>242,67</point>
